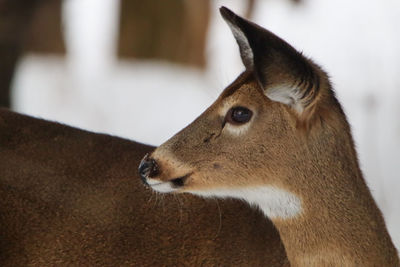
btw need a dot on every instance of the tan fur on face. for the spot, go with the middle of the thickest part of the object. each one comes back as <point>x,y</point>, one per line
<point>169,165</point>
<point>206,134</point>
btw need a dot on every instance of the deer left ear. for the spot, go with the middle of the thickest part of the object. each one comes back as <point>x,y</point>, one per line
<point>285,75</point>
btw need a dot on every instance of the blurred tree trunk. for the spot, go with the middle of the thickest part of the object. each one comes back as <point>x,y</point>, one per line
<point>249,9</point>
<point>26,25</point>
<point>15,16</point>
<point>45,32</point>
<point>251,4</point>
<point>172,30</point>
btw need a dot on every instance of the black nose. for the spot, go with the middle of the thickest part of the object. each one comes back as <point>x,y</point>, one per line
<point>148,168</point>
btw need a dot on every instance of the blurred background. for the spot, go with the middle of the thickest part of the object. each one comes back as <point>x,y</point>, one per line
<point>144,69</point>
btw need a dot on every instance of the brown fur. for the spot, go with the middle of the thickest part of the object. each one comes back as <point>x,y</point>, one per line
<point>73,198</point>
<point>339,223</point>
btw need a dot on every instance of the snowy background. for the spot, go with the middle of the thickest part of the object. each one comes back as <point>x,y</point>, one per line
<point>357,42</point>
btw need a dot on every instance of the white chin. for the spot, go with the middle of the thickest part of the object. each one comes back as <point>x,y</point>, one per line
<point>163,187</point>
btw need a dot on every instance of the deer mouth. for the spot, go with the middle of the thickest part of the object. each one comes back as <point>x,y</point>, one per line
<point>180,181</point>
<point>169,186</point>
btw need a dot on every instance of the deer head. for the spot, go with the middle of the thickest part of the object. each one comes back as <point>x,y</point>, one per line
<point>258,134</point>
<point>278,138</point>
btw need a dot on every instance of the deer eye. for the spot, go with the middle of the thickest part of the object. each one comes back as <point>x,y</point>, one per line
<point>238,115</point>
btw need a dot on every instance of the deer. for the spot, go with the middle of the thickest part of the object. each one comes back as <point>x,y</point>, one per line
<point>277,138</point>
<point>70,197</point>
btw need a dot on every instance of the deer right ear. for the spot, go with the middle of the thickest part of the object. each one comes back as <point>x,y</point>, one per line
<point>285,75</point>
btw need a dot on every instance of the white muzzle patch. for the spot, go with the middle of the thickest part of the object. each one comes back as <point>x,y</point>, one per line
<point>273,201</point>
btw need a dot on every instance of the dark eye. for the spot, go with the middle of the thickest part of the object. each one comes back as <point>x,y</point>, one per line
<point>238,115</point>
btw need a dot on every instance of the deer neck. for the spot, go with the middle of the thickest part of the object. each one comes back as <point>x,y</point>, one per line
<point>339,223</point>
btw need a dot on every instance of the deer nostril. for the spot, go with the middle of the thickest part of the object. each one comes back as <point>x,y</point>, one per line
<point>154,168</point>
<point>148,168</point>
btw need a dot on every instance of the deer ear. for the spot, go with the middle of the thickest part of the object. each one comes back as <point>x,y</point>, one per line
<point>285,75</point>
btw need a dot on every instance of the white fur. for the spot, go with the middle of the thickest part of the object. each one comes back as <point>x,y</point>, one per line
<point>286,95</point>
<point>273,201</point>
<point>163,187</point>
<point>151,181</point>
<point>237,130</point>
